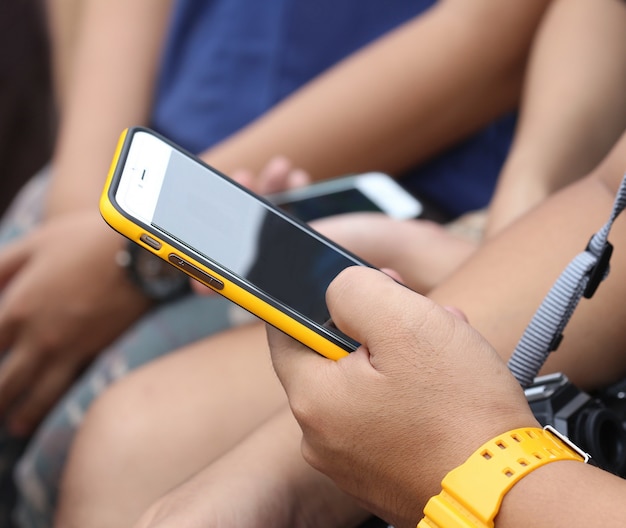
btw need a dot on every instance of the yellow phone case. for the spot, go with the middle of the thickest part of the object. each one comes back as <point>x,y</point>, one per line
<point>247,300</point>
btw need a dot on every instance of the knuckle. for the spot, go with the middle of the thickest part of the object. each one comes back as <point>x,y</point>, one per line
<point>310,456</point>
<point>301,410</point>
<point>49,342</point>
<point>17,314</point>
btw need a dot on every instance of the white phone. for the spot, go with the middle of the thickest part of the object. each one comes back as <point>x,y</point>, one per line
<point>245,248</point>
<point>370,191</point>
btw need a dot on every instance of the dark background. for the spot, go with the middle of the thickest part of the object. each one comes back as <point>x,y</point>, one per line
<point>26,102</point>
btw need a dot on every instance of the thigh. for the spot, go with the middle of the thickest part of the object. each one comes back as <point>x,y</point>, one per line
<point>162,423</point>
<point>169,327</point>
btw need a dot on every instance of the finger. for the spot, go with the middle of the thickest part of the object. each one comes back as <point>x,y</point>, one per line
<point>17,372</point>
<point>273,178</point>
<point>457,313</point>
<point>393,274</point>
<point>298,178</point>
<point>14,305</point>
<point>243,177</point>
<point>12,258</point>
<point>293,361</point>
<point>28,413</point>
<point>8,328</point>
<point>200,288</point>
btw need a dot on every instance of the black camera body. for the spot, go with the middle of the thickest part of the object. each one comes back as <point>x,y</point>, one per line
<point>597,424</point>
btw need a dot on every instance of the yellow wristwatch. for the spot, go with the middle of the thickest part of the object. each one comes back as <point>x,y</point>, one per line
<point>472,493</point>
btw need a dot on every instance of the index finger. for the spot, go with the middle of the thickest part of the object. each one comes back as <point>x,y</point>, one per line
<point>293,362</point>
<point>12,258</point>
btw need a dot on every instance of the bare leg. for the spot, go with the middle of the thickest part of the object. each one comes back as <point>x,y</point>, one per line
<point>158,426</point>
<point>244,489</point>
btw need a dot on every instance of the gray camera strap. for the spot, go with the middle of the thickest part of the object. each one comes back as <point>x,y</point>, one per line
<point>580,279</point>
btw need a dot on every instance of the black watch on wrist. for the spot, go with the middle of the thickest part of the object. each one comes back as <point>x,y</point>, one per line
<point>157,279</point>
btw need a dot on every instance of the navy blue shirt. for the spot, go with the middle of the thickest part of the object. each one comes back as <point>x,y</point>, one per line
<point>226,62</point>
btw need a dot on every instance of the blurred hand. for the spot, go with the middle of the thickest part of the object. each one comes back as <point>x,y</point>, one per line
<point>423,392</point>
<point>62,299</point>
<point>278,175</point>
<point>423,252</point>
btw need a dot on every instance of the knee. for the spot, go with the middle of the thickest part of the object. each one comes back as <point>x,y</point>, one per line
<point>96,476</point>
<point>110,432</point>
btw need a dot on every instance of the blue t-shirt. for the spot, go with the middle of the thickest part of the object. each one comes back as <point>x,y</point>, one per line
<point>226,62</point>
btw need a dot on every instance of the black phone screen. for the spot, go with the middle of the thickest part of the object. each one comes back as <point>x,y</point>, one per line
<point>222,222</point>
<point>331,204</point>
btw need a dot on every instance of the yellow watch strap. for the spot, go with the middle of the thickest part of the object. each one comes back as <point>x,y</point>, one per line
<point>472,493</point>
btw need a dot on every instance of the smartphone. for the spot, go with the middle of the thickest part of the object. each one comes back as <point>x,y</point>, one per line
<point>371,191</point>
<point>223,235</point>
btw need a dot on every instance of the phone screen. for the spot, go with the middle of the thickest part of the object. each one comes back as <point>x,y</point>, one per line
<point>232,229</point>
<point>331,204</point>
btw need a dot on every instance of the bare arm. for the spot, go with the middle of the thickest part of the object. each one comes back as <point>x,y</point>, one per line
<point>530,255</point>
<point>389,396</point>
<point>109,87</point>
<point>499,289</point>
<point>389,421</point>
<point>573,107</point>
<point>407,96</point>
<point>63,23</point>
<point>565,494</point>
<point>48,342</point>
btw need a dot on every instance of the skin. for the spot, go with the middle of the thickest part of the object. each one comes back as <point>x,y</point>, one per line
<point>482,288</point>
<point>92,484</point>
<point>423,359</point>
<point>411,125</point>
<point>63,25</point>
<point>560,110</point>
<point>46,342</point>
<point>449,45</point>
<point>557,110</point>
<point>426,357</point>
<point>373,421</point>
<point>565,233</point>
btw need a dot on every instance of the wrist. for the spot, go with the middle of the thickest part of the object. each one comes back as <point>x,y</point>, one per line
<point>156,279</point>
<point>466,438</point>
<point>472,493</point>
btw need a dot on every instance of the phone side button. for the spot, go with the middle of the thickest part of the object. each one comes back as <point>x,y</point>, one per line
<point>194,271</point>
<point>152,242</point>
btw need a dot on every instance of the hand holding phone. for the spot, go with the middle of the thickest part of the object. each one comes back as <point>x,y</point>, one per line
<point>225,236</point>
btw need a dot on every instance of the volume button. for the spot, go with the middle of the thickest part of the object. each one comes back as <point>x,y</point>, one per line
<point>152,242</point>
<point>195,272</point>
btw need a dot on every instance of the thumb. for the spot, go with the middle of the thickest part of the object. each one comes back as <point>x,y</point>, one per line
<point>374,309</point>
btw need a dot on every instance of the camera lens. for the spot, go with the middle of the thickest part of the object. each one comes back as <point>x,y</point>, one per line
<point>604,438</point>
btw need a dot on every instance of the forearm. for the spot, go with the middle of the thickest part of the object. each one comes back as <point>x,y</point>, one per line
<point>502,285</point>
<point>63,22</point>
<point>565,494</point>
<point>559,494</point>
<point>424,86</point>
<point>111,80</point>
<point>572,109</point>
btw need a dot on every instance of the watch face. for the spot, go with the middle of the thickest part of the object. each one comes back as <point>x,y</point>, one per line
<point>156,278</point>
